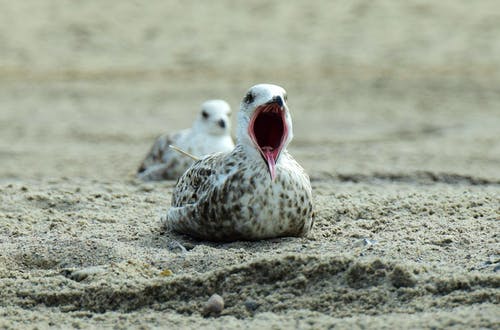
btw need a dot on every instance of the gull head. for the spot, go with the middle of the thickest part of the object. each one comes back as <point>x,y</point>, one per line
<point>214,118</point>
<point>265,124</point>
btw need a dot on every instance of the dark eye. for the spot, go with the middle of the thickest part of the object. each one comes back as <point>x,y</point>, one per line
<point>285,97</point>
<point>204,114</point>
<point>248,98</point>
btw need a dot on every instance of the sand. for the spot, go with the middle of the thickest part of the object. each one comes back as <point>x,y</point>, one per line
<point>396,109</point>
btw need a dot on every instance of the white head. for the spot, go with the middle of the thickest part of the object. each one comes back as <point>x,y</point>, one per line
<point>264,123</point>
<point>214,118</point>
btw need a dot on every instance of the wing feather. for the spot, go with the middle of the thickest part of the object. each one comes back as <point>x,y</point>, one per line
<point>157,152</point>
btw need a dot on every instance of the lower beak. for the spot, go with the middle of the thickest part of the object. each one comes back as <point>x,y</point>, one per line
<point>271,163</point>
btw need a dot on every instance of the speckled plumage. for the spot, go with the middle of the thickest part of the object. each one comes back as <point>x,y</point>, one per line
<point>210,133</point>
<point>234,195</point>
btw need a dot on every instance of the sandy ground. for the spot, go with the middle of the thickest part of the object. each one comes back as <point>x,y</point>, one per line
<point>396,109</point>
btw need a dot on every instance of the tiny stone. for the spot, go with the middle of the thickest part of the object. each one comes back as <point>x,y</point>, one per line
<point>147,188</point>
<point>251,305</point>
<point>367,241</point>
<point>166,272</point>
<point>79,275</point>
<point>174,245</point>
<point>214,305</point>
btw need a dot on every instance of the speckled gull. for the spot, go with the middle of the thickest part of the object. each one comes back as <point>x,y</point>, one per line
<point>255,191</point>
<point>209,133</point>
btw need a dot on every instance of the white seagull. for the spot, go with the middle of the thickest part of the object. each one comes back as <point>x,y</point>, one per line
<point>255,191</point>
<point>210,133</point>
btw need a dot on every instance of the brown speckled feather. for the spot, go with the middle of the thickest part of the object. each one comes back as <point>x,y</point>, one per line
<point>224,197</point>
<point>155,154</point>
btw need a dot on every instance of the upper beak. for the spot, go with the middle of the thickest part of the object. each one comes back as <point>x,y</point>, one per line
<point>278,100</point>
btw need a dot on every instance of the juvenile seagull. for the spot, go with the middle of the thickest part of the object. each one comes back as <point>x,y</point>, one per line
<point>254,192</point>
<point>210,133</point>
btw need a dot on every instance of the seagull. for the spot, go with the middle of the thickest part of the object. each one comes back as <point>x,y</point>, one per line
<point>257,190</point>
<point>210,133</point>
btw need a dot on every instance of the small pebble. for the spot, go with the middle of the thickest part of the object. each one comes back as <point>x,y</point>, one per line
<point>367,241</point>
<point>251,305</point>
<point>214,306</point>
<point>174,245</point>
<point>147,188</point>
<point>166,272</point>
<point>79,275</point>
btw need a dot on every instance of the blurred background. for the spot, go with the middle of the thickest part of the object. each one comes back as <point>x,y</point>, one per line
<point>374,86</point>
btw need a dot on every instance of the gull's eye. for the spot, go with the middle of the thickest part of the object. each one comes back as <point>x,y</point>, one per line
<point>285,97</point>
<point>204,114</point>
<point>248,98</point>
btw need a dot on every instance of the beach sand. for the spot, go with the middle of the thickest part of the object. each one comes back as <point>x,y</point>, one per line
<point>396,112</point>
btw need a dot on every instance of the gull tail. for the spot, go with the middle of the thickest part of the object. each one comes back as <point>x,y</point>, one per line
<point>184,153</point>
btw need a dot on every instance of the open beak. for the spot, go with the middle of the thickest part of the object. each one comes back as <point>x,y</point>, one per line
<point>268,130</point>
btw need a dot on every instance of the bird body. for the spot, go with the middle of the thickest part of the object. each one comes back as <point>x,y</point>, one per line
<point>210,133</point>
<point>255,191</point>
